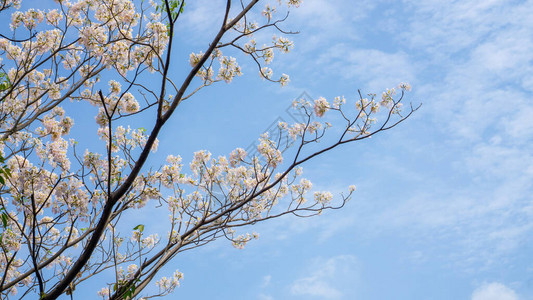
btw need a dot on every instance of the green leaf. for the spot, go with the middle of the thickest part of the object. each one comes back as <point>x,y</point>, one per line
<point>129,293</point>
<point>2,181</point>
<point>4,219</point>
<point>139,227</point>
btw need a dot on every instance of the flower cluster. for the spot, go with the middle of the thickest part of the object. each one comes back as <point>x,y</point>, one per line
<point>167,285</point>
<point>29,19</point>
<point>267,148</point>
<point>53,195</point>
<point>283,44</point>
<point>323,197</point>
<point>228,69</point>
<point>194,58</point>
<point>240,241</point>
<point>321,106</point>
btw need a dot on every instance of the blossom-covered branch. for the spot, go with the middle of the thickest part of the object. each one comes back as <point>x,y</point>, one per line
<point>62,207</point>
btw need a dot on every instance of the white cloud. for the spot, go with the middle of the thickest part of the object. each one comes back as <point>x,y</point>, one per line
<point>447,27</point>
<point>473,66</point>
<point>321,20</point>
<point>201,20</point>
<point>472,63</point>
<point>313,286</point>
<point>266,281</point>
<point>476,55</point>
<point>474,225</point>
<point>494,291</point>
<point>377,69</point>
<point>519,126</point>
<point>326,277</point>
<point>480,51</point>
<point>417,257</point>
<point>265,297</point>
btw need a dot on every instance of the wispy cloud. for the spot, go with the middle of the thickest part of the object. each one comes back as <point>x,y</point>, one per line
<point>266,281</point>
<point>325,278</point>
<point>494,291</point>
<point>472,62</point>
<point>265,297</point>
<point>200,20</point>
<point>321,21</point>
<point>377,69</point>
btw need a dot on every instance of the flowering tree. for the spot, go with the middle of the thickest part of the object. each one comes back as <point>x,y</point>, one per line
<point>61,208</point>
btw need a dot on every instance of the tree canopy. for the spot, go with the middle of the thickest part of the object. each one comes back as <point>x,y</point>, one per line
<point>61,206</point>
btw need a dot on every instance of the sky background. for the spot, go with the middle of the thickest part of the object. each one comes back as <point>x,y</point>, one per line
<point>443,208</point>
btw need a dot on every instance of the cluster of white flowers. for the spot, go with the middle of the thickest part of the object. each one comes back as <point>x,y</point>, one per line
<point>295,3</point>
<point>321,106</point>
<point>116,13</point>
<point>132,269</point>
<point>228,69</point>
<point>268,150</point>
<point>53,127</point>
<point>299,190</point>
<point>129,104</point>
<point>386,98</point>
<point>53,17</point>
<point>268,55</point>
<point>125,139</point>
<point>237,156</point>
<point>405,86</point>
<point>296,130</point>
<point>268,12</point>
<point>241,240</point>
<point>167,285</point>
<point>150,241</point>
<point>284,79</point>
<point>93,37</point>
<point>10,270</point>
<point>14,3</point>
<point>29,19</point>
<point>200,161</point>
<point>11,240</point>
<point>323,197</point>
<point>266,72</point>
<point>105,293</point>
<point>71,60</point>
<point>194,58</point>
<point>171,173</point>
<point>338,102</point>
<point>283,44</point>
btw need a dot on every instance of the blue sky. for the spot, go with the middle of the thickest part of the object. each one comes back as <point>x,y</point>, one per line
<point>443,208</point>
